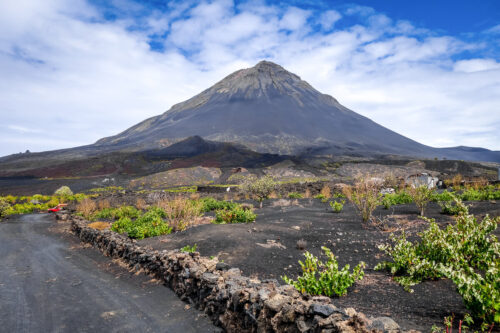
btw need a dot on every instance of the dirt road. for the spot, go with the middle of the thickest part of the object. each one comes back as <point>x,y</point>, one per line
<point>49,282</point>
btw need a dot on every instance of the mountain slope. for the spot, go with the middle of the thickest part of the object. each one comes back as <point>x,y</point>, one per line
<point>269,110</point>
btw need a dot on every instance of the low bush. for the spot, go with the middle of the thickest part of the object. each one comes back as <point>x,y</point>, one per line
<point>149,224</point>
<point>443,196</point>
<point>210,204</point>
<point>295,195</point>
<point>4,207</point>
<point>326,192</point>
<point>181,212</point>
<point>189,249</point>
<point>487,193</point>
<point>365,196</point>
<point>337,206</point>
<point>325,278</point>
<point>451,208</point>
<point>421,196</point>
<point>399,198</point>
<point>86,207</point>
<point>321,197</point>
<point>235,215</point>
<point>467,252</point>
<point>260,188</point>
<point>63,191</point>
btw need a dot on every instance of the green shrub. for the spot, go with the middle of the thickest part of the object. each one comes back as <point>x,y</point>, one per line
<point>235,215</point>
<point>451,208</point>
<point>399,198</point>
<point>325,278</point>
<point>210,204</point>
<point>260,188</point>
<point>337,206</point>
<point>421,196</point>
<point>487,193</point>
<point>4,207</point>
<point>149,224</point>
<point>295,195</point>
<point>11,199</point>
<point>127,211</point>
<point>63,191</point>
<point>443,196</point>
<point>189,249</point>
<point>320,197</point>
<point>468,253</point>
<point>105,213</point>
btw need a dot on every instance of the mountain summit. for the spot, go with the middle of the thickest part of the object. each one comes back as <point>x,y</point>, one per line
<point>271,110</point>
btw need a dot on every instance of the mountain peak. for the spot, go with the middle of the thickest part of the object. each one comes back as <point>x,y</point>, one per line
<point>267,65</point>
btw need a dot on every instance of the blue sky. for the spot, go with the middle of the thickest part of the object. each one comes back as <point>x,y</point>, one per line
<point>76,71</point>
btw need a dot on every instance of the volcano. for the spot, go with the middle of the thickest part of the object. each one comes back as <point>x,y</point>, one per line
<point>271,110</point>
<point>267,109</point>
<point>263,110</point>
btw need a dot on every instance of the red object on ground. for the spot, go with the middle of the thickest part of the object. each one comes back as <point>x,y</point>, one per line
<point>56,208</point>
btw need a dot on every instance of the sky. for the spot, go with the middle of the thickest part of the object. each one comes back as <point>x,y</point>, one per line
<point>74,71</point>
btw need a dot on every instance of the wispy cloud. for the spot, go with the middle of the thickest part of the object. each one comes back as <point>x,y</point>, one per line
<point>81,72</point>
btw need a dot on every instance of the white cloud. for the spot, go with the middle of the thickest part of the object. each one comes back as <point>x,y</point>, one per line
<point>476,65</point>
<point>328,19</point>
<point>69,77</point>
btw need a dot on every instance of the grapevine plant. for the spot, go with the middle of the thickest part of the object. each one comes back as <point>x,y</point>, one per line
<point>467,252</point>
<point>325,278</point>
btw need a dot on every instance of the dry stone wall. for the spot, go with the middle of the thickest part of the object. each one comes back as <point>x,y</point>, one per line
<point>232,301</point>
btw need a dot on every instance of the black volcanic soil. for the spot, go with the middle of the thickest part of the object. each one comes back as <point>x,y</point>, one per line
<point>267,249</point>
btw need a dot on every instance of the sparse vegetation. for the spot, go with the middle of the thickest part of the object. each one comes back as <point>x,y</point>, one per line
<point>4,207</point>
<point>189,249</point>
<point>234,215</point>
<point>260,188</point>
<point>325,278</point>
<point>421,196</point>
<point>149,224</point>
<point>467,253</point>
<point>365,196</point>
<point>86,207</point>
<point>210,204</point>
<point>325,192</point>
<point>63,191</point>
<point>181,212</point>
<point>337,206</point>
<point>295,195</point>
<point>401,197</point>
<point>301,244</point>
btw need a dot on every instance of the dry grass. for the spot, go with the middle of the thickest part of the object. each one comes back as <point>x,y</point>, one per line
<point>141,204</point>
<point>326,192</point>
<point>274,195</point>
<point>307,193</point>
<point>455,182</point>
<point>301,244</point>
<point>247,206</point>
<point>102,204</point>
<point>99,225</point>
<point>194,196</point>
<point>478,183</point>
<point>391,181</point>
<point>86,207</point>
<point>181,212</point>
<point>285,203</point>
